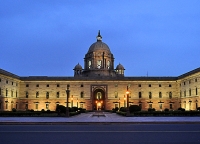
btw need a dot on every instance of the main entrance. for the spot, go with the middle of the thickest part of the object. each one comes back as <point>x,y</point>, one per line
<point>98,99</point>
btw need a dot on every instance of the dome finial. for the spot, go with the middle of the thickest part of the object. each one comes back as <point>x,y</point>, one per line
<point>99,37</point>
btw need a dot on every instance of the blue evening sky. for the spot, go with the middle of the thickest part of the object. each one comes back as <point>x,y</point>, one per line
<point>49,37</point>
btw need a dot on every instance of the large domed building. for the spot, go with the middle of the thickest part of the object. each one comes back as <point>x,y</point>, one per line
<point>99,85</point>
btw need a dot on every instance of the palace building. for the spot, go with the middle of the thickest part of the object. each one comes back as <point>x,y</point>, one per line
<point>99,85</point>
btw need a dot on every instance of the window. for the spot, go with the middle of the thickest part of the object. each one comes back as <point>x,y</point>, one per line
<point>116,94</point>
<point>26,94</point>
<point>140,94</point>
<point>159,85</point>
<point>170,95</point>
<point>16,106</point>
<point>170,85</point>
<point>81,105</point>
<point>160,94</point>
<point>170,106</point>
<point>150,105</point>
<point>12,106</point>
<point>36,106</point>
<point>6,81</point>
<point>47,106</point>
<point>81,85</point>
<point>184,83</point>
<point>190,92</point>
<point>11,93</point>
<point>116,105</point>
<point>37,94</point>
<point>6,92</point>
<point>160,105</point>
<point>26,106</point>
<point>82,94</point>
<point>196,91</point>
<point>180,93</point>
<point>139,85</point>
<point>116,85</point>
<point>196,80</point>
<point>12,83</point>
<point>189,81</point>
<point>140,105</point>
<point>0,90</point>
<point>57,94</point>
<point>37,85</point>
<point>16,84</point>
<point>150,95</point>
<point>58,85</point>
<point>47,95</point>
<point>47,85</point>
<point>0,79</point>
<point>149,85</point>
<point>68,85</point>
<point>27,85</point>
<point>16,93</point>
<point>6,105</point>
<point>196,105</point>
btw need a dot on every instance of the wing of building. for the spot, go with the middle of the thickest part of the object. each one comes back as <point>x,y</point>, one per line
<point>99,85</point>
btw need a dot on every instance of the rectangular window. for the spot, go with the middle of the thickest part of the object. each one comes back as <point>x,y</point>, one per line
<point>81,85</point>
<point>159,85</point>
<point>47,85</point>
<point>170,95</point>
<point>26,106</point>
<point>170,85</point>
<point>6,92</point>
<point>16,93</point>
<point>37,94</point>
<point>6,105</point>
<point>150,105</point>
<point>11,93</point>
<point>37,85</point>
<point>160,94</point>
<point>27,85</point>
<point>36,106</point>
<point>116,94</point>
<point>16,84</point>
<point>26,94</point>
<point>150,95</point>
<point>68,85</point>
<point>12,83</point>
<point>196,91</point>
<point>0,90</point>
<point>116,105</point>
<point>160,105</point>
<point>139,85</point>
<point>184,83</point>
<point>149,85</point>
<point>58,85</point>
<point>12,106</point>
<point>82,94</point>
<point>47,106</point>
<point>57,94</point>
<point>6,81</point>
<point>140,94</point>
<point>185,93</point>
<point>196,80</point>
<point>189,81</point>
<point>47,95</point>
<point>190,92</point>
<point>81,105</point>
<point>170,106</point>
<point>0,79</point>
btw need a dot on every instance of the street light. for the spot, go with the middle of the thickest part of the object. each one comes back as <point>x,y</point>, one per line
<point>127,93</point>
<point>124,101</point>
<point>77,102</point>
<point>67,108</point>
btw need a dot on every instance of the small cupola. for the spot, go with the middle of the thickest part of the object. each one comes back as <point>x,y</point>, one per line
<point>78,70</point>
<point>120,70</point>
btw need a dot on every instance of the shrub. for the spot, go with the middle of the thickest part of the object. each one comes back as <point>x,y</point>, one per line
<point>198,109</point>
<point>123,109</point>
<point>61,109</point>
<point>75,109</point>
<point>116,109</point>
<point>14,110</point>
<point>151,109</point>
<point>166,109</point>
<point>181,109</point>
<point>42,110</point>
<point>134,108</point>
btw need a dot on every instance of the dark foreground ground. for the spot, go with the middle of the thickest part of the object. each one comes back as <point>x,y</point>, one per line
<point>101,133</point>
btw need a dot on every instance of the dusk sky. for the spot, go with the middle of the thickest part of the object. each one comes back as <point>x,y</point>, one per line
<point>49,37</point>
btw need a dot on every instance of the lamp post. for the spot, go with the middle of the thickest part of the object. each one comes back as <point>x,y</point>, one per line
<point>77,102</point>
<point>127,93</point>
<point>72,101</point>
<point>67,108</point>
<point>124,101</point>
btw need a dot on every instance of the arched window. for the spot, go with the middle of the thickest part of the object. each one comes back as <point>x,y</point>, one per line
<point>196,91</point>
<point>116,94</point>
<point>170,95</point>
<point>26,94</point>
<point>99,96</point>
<point>37,94</point>
<point>47,95</point>
<point>82,94</point>
<point>190,92</point>
<point>57,94</point>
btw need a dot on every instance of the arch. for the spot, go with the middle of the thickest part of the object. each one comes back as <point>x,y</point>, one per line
<point>98,99</point>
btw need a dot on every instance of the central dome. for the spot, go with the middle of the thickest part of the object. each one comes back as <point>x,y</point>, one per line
<point>99,45</point>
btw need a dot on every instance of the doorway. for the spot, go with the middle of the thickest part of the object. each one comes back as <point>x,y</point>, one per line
<point>99,100</point>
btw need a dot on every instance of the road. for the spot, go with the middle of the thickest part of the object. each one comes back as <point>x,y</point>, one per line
<point>101,133</point>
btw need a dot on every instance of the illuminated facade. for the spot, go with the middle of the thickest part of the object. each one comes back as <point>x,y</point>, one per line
<point>99,85</point>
